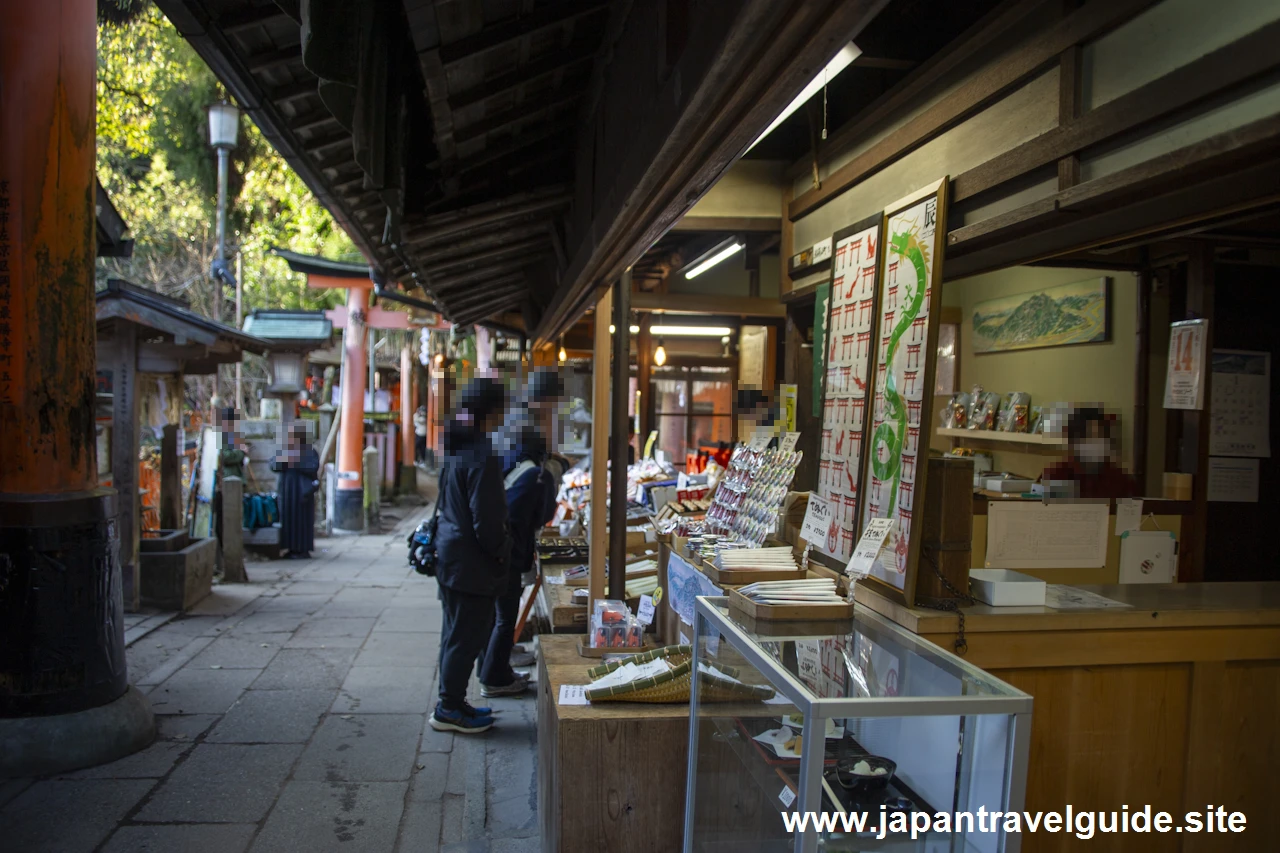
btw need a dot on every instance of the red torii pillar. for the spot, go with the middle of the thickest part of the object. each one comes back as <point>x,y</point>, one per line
<point>355,320</point>
<point>65,701</point>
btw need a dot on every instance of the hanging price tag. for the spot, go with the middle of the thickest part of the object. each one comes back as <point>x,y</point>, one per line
<point>868,548</point>
<point>645,612</point>
<point>760,440</point>
<point>817,520</point>
<point>788,442</point>
<point>787,796</point>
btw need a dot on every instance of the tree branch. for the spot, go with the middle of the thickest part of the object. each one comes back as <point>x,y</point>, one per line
<point>128,93</point>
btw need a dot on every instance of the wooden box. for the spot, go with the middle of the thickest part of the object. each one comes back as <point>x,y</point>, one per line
<point>947,537</point>
<point>789,612</point>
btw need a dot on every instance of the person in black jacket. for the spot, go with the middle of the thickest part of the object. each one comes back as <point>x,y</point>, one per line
<point>298,466</point>
<point>532,479</point>
<point>473,549</point>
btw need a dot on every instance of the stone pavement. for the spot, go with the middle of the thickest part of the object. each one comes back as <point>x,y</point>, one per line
<point>292,717</point>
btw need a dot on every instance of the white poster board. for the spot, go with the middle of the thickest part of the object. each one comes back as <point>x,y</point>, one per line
<point>1241,404</point>
<point>1032,535</point>
<point>1184,381</point>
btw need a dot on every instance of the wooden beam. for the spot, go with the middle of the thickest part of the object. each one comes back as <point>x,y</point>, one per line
<point>577,53</point>
<point>517,146</point>
<point>693,303</point>
<point>526,248</point>
<point>706,113</point>
<point>484,240</point>
<point>599,521</point>
<point>313,120</point>
<point>786,245</point>
<point>437,86</point>
<point>1228,67</point>
<point>270,59</point>
<point>293,91</point>
<point>1031,57</point>
<point>984,35</point>
<point>644,373</point>
<point>1070,93</point>
<point>885,63</point>
<point>453,282</point>
<point>459,220</point>
<point>749,224</point>
<point>521,112</point>
<point>492,37</point>
<point>248,18</point>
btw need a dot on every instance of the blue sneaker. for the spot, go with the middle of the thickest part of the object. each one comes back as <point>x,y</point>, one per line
<point>477,712</point>
<point>462,722</point>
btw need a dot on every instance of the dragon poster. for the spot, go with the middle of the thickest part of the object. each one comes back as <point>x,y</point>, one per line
<point>849,330</point>
<point>906,334</point>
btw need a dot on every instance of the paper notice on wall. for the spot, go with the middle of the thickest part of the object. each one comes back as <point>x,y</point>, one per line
<point>1240,408</point>
<point>1184,380</point>
<point>1233,480</point>
<point>1032,535</point>
<point>1128,514</point>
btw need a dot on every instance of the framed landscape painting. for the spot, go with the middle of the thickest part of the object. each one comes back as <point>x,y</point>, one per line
<point>1077,313</point>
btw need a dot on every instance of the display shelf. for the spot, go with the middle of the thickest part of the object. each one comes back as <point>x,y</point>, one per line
<point>1038,440</point>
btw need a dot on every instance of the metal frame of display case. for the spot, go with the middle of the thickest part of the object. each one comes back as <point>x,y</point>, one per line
<point>817,710</point>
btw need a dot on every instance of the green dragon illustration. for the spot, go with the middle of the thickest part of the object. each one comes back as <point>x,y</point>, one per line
<point>892,432</point>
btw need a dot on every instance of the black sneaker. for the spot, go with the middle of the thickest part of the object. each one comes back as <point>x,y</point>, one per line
<point>461,722</point>
<point>515,688</point>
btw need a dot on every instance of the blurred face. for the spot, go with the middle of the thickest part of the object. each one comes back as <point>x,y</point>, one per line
<point>1093,448</point>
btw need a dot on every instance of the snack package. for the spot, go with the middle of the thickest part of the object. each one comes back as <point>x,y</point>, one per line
<point>1037,420</point>
<point>982,415</point>
<point>1015,412</point>
<point>955,414</point>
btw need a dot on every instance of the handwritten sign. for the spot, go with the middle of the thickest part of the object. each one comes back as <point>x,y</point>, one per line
<point>817,520</point>
<point>645,612</point>
<point>574,694</point>
<point>759,440</point>
<point>868,547</point>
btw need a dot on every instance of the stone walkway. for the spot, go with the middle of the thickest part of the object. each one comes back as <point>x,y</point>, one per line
<point>292,717</point>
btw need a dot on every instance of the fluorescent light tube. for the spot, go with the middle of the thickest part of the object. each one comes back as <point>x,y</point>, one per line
<point>839,62</point>
<point>714,259</point>
<point>692,331</point>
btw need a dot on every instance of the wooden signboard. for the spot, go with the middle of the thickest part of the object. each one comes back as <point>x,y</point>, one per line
<point>851,321</point>
<point>904,338</point>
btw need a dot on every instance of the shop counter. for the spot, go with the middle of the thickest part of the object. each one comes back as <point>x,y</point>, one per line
<point>1172,701</point>
<point>556,611</point>
<point>611,776</point>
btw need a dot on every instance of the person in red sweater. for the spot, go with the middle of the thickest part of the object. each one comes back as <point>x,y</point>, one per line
<point>1090,469</point>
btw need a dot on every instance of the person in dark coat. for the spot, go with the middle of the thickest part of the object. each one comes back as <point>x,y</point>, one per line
<point>473,549</point>
<point>531,482</point>
<point>298,465</point>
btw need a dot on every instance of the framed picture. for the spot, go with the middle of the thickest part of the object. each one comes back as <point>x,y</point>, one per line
<point>905,341</point>
<point>1076,313</point>
<point>851,317</point>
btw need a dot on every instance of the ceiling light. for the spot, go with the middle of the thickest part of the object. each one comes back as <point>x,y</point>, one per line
<point>632,329</point>
<point>732,249</point>
<point>838,63</point>
<point>660,354</point>
<point>692,331</point>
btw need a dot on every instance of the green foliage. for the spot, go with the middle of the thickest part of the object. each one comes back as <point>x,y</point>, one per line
<point>155,162</point>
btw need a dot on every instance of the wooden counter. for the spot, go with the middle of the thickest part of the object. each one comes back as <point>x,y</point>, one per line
<point>556,611</point>
<point>1173,703</point>
<point>611,776</point>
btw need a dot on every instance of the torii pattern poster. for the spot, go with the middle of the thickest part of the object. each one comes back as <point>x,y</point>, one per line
<point>898,440</point>
<point>848,368</point>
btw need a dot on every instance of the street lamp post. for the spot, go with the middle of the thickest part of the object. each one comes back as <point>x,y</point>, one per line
<point>224,128</point>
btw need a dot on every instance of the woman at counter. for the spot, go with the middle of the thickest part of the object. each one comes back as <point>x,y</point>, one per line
<point>1089,471</point>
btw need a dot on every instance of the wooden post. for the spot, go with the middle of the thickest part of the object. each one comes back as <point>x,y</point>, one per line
<point>1194,453</point>
<point>786,244</point>
<point>124,456</point>
<point>599,450</point>
<point>1142,381</point>
<point>644,376</point>
<point>170,479</point>
<point>407,473</point>
<point>620,436</point>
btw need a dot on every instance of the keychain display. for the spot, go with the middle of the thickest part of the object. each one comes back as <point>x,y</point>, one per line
<point>751,494</point>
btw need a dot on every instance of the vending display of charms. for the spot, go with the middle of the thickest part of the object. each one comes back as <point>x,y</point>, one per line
<point>751,494</point>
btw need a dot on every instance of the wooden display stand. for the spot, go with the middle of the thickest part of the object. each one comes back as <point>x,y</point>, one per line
<point>1171,702</point>
<point>611,776</point>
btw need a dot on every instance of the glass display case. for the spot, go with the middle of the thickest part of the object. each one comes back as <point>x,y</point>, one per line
<point>875,739</point>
